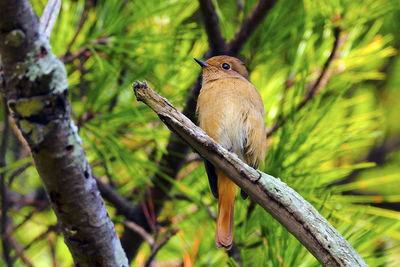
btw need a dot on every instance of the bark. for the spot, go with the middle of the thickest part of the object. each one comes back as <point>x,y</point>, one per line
<point>36,90</point>
<point>298,216</point>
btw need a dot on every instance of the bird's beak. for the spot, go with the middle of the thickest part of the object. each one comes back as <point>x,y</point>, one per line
<point>202,63</point>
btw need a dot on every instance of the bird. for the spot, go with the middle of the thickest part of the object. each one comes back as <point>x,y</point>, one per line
<point>230,110</point>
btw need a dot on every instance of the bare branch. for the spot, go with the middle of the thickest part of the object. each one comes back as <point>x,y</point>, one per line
<point>17,172</point>
<point>282,202</point>
<point>82,21</point>
<point>51,228</point>
<point>215,39</point>
<point>319,84</point>
<point>143,233</point>
<point>159,245</point>
<point>255,17</point>
<point>325,74</point>
<point>84,51</point>
<point>20,251</point>
<point>49,16</point>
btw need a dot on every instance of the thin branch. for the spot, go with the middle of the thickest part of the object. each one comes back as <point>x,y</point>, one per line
<point>38,200</point>
<point>18,172</point>
<point>159,245</point>
<point>82,21</point>
<point>325,74</point>
<point>53,251</point>
<point>260,10</point>
<point>152,218</point>
<point>86,51</point>
<point>124,207</point>
<point>320,82</point>
<point>24,150</point>
<point>282,202</point>
<point>155,246</point>
<point>20,251</point>
<point>143,233</point>
<point>51,228</point>
<point>215,39</point>
<point>49,16</point>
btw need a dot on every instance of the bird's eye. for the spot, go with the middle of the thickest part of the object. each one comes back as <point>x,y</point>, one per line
<point>226,66</point>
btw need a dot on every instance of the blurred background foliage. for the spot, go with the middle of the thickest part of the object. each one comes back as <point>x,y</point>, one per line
<point>340,151</point>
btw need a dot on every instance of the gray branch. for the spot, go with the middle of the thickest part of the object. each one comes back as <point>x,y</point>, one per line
<point>298,216</point>
<point>49,16</point>
<point>36,90</point>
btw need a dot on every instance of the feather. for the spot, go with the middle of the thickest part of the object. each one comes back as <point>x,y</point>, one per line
<point>212,178</point>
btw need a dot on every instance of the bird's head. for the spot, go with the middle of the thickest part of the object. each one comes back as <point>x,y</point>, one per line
<point>219,67</point>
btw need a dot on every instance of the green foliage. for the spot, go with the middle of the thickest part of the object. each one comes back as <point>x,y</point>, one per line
<point>319,145</point>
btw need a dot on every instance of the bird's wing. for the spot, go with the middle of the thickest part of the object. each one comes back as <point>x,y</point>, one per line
<point>212,177</point>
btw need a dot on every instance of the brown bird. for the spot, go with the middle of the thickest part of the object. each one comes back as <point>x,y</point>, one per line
<point>230,111</point>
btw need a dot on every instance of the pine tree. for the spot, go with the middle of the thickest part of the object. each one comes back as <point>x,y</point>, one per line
<point>326,71</point>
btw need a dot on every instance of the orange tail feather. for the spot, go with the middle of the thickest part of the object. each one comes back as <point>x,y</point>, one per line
<point>226,202</point>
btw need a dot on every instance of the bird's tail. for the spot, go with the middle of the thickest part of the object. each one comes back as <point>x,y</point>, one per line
<point>226,202</point>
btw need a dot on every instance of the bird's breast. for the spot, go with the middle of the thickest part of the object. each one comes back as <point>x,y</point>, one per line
<point>223,108</point>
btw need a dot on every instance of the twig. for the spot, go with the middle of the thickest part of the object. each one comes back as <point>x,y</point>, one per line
<point>258,13</point>
<point>27,218</point>
<point>142,232</point>
<point>146,213</point>
<point>159,245</point>
<point>17,172</point>
<point>82,21</point>
<point>124,207</point>
<point>20,251</point>
<point>319,84</point>
<point>282,202</point>
<point>53,251</point>
<point>325,74</point>
<point>49,16</point>
<point>25,151</point>
<point>3,189</point>
<point>38,200</point>
<point>151,209</point>
<point>69,57</point>
<point>215,39</point>
<point>51,228</point>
